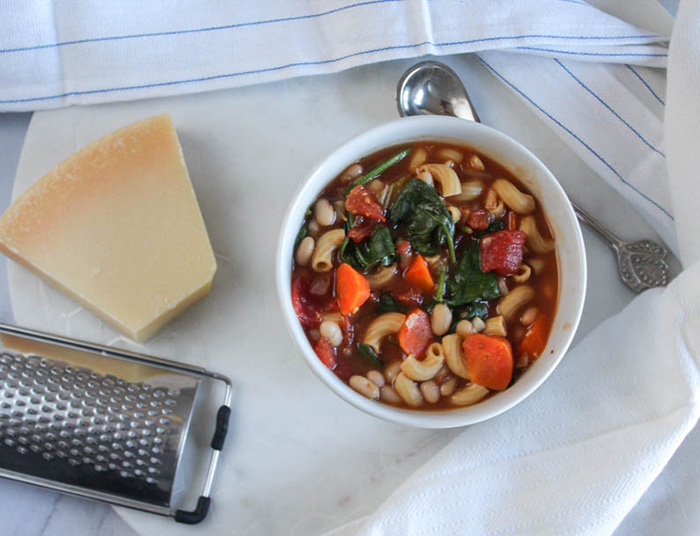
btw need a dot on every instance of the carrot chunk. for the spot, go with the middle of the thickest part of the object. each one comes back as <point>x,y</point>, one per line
<point>535,338</point>
<point>416,333</point>
<point>418,274</point>
<point>489,360</point>
<point>351,288</point>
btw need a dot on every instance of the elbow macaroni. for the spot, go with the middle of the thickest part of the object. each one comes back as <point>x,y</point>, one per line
<point>327,244</point>
<point>452,347</point>
<point>535,241</point>
<point>518,201</point>
<point>425,370</point>
<point>471,394</point>
<point>381,327</point>
<point>514,300</point>
<point>381,277</point>
<point>445,176</point>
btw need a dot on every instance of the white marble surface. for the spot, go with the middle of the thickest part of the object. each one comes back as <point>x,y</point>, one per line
<point>361,97</point>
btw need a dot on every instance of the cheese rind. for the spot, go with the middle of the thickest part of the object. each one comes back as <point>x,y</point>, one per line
<point>117,227</point>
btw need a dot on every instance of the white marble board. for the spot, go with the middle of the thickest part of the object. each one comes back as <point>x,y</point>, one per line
<point>299,460</point>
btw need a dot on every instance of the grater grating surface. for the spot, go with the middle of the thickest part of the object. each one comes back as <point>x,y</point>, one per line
<point>99,422</point>
<point>116,436</point>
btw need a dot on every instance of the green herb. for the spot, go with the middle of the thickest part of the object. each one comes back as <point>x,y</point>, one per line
<point>304,229</point>
<point>378,170</point>
<point>368,352</point>
<point>388,304</point>
<point>429,223</point>
<point>468,283</point>
<point>350,219</point>
<point>493,227</point>
<point>378,249</point>
<point>439,295</point>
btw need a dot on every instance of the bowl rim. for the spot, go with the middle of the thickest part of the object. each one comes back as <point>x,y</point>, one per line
<point>392,136</point>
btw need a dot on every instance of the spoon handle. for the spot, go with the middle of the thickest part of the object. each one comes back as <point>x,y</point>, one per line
<point>601,231</point>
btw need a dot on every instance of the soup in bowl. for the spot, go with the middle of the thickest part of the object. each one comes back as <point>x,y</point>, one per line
<point>432,271</point>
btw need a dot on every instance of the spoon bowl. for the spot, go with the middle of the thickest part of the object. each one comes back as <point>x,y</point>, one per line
<point>432,88</point>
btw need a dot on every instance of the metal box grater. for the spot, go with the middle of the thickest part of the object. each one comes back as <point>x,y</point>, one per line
<point>101,423</point>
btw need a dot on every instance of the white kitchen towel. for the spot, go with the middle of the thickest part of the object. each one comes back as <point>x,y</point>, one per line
<point>59,52</point>
<point>591,75</point>
<point>576,457</point>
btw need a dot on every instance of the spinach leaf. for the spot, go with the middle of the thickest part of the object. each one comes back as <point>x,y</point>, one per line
<point>388,304</point>
<point>468,283</point>
<point>493,227</point>
<point>429,225</point>
<point>368,353</point>
<point>378,249</point>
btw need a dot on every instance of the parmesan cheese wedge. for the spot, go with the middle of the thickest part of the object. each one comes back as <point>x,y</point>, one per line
<point>117,227</point>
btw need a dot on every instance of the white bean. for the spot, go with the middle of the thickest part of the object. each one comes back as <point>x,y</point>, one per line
<point>455,213</point>
<point>352,173</point>
<point>447,388</point>
<point>363,386</point>
<point>376,377</point>
<point>305,250</point>
<point>331,331</point>
<point>314,228</point>
<point>464,328</point>
<point>389,396</point>
<point>441,319</point>
<point>478,324</point>
<point>324,212</point>
<point>431,391</point>
<point>375,186</point>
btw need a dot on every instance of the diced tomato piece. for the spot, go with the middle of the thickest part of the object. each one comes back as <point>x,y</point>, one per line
<point>502,252</point>
<point>403,248</point>
<point>480,219</point>
<point>362,229</point>
<point>418,274</point>
<point>348,331</point>
<point>307,311</point>
<point>410,298</point>
<point>351,288</point>
<point>416,333</point>
<point>362,202</point>
<point>489,360</point>
<point>325,352</point>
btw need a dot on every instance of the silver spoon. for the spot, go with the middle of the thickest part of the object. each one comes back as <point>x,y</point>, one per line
<point>432,88</point>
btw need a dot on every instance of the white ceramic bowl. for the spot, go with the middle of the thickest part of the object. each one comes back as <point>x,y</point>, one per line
<point>527,168</point>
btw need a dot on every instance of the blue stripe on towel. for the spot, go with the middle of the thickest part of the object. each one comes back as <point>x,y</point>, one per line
<point>589,90</point>
<point>295,64</point>
<point>577,138</point>
<point>639,76</point>
<point>303,17</point>
<point>197,30</point>
<point>570,52</point>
